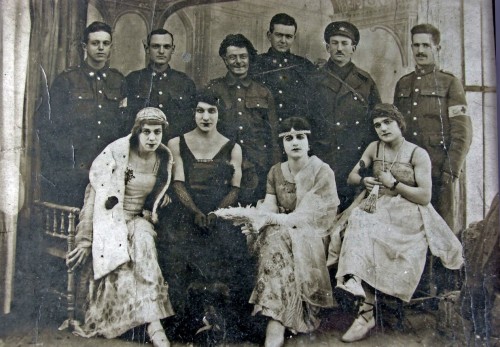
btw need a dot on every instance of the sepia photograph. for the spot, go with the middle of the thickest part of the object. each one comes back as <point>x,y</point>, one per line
<point>249,173</point>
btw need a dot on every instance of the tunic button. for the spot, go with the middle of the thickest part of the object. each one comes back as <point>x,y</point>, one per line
<point>359,147</point>
<point>98,122</point>
<point>79,97</point>
<point>355,98</point>
<point>414,134</point>
<point>441,142</point>
<point>265,146</point>
<point>241,141</point>
<point>258,105</point>
<point>240,113</point>
<point>240,127</point>
<point>338,147</point>
<point>180,97</point>
<point>98,136</point>
<point>401,94</point>
<point>91,74</point>
<point>415,103</point>
<point>239,99</point>
<point>239,87</point>
<point>160,105</point>
<point>417,90</point>
<point>357,122</point>
<point>281,105</point>
<point>137,96</point>
<point>433,93</point>
<point>100,92</point>
<point>419,78</point>
<point>280,91</point>
<point>280,119</point>
<point>414,118</point>
<point>338,123</point>
<point>160,92</point>
<point>100,106</point>
<point>280,65</point>
<point>408,112</point>
<point>285,60</point>
<point>98,78</point>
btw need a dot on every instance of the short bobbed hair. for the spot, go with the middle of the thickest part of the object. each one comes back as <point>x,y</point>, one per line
<point>389,111</point>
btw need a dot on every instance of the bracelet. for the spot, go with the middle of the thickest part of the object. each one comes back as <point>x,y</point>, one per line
<point>362,181</point>
<point>396,182</point>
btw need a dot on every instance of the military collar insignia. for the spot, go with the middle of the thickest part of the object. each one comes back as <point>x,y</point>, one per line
<point>425,69</point>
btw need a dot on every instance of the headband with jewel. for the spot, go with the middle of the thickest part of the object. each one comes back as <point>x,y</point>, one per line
<point>294,132</point>
<point>151,113</point>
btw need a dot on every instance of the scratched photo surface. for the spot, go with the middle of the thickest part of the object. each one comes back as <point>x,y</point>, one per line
<point>117,147</point>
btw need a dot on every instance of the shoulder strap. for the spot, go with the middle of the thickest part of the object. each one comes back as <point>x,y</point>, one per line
<point>351,89</point>
<point>412,153</point>
<point>378,147</point>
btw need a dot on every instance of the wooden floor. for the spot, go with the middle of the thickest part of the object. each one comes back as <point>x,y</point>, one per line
<point>40,329</point>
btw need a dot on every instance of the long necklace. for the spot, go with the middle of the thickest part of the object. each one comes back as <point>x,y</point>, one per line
<point>395,158</point>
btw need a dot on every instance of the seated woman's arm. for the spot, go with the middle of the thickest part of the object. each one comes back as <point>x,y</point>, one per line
<point>355,178</point>
<point>83,237</point>
<point>179,185</point>
<point>421,194</point>
<point>231,198</point>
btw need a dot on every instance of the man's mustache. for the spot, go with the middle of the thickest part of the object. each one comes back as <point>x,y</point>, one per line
<point>339,53</point>
<point>421,55</point>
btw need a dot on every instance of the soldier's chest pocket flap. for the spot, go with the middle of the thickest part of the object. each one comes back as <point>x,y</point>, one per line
<point>404,93</point>
<point>113,94</point>
<point>256,102</point>
<point>439,92</point>
<point>81,94</point>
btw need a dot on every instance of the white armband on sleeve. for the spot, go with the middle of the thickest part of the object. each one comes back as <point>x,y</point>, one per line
<point>457,110</point>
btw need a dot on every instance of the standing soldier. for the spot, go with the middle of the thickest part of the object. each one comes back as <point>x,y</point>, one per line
<point>344,98</point>
<point>285,74</point>
<point>249,118</point>
<point>86,115</point>
<point>158,85</point>
<point>433,103</point>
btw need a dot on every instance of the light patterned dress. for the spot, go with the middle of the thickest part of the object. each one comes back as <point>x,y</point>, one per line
<point>135,293</point>
<point>293,281</point>
<point>387,249</point>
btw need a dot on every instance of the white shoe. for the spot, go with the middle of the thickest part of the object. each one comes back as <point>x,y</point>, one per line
<point>353,286</point>
<point>360,327</point>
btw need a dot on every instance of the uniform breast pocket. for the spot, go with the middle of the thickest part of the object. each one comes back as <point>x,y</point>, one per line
<point>256,104</point>
<point>433,101</point>
<point>435,140</point>
<point>81,94</point>
<point>113,94</point>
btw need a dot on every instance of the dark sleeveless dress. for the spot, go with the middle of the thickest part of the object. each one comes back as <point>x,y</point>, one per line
<point>207,270</point>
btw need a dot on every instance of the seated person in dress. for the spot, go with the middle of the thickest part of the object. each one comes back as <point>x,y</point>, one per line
<point>385,248</point>
<point>206,261</point>
<point>128,182</point>
<point>292,283</point>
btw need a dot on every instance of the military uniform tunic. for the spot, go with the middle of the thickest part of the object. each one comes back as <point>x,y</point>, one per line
<point>434,106</point>
<point>287,76</point>
<point>249,120</point>
<point>342,128</point>
<point>171,91</point>
<point>86,114</point>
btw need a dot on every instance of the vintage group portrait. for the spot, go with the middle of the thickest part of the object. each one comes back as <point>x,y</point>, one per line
<point>249,173</point>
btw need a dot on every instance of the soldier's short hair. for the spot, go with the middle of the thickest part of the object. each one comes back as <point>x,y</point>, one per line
<point>283,19</point>
<point>160,31</point>
<point>237,40</point>
<point>427,28</point>
<point>95,27</point>
<point>389,111</point>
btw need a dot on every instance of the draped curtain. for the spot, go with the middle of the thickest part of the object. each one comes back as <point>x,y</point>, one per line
<point>40,38</point>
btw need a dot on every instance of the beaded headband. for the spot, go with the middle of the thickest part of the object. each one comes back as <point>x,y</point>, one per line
<point>294,132</point>
<point>151,113</point>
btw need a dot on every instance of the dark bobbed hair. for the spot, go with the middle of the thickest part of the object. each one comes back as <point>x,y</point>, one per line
<point>297,123</point>
<point>160,31</point>
<point>207,95</point>
<point>137,128</point>
<point>95,27</point>
<point>427,28</point>
<point>389,111</point>
<point>237,40</point>
<point>283,19</point>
